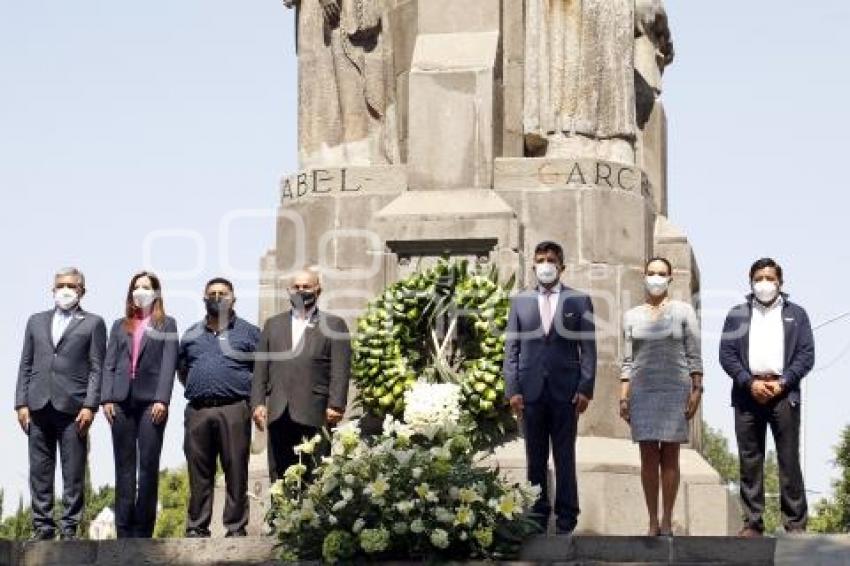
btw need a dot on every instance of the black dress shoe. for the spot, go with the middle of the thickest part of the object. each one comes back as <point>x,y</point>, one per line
<point>564,528</point>
<point>239,533</point>
<point>68,536</point>
<point>197,533</point>
<point>750,532</point>
<point>43,535</point>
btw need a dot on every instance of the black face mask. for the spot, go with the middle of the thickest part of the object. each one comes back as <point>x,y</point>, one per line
<point>216,307</point>
<point>303,300</point>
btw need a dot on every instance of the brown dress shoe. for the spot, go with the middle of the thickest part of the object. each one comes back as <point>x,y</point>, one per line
<point>749,532</point>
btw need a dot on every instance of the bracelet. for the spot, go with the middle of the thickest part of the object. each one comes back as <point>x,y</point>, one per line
<point>624,400</point>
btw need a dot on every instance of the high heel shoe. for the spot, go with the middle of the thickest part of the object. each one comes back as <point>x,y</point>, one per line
<point>653,532</point>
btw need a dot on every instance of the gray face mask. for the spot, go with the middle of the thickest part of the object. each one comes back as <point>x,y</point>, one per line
<point>217,307</point>
<point>546,272</point>
<point>303,300</point>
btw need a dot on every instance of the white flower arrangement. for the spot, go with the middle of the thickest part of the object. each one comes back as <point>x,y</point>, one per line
<point>432,407</point>
<point>414,491</point>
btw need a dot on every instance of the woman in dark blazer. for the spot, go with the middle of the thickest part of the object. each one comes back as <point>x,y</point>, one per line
<point>138,376</point>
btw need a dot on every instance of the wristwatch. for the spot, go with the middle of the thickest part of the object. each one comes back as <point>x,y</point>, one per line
<point>699,388</point>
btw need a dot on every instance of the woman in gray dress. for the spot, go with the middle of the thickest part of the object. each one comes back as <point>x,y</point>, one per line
<point>661,387</point>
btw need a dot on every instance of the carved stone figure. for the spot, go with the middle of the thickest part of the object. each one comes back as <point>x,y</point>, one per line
<point>653,42</point>
<point>653,53</point>
<point>579,79</point>
<point>344,76</point>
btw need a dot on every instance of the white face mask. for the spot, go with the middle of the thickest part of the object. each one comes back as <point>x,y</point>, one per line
<point>546,272</point>
<point>657,285</point>
<point>65,298</point>
<point>143,298</point>
<point>765,291</point>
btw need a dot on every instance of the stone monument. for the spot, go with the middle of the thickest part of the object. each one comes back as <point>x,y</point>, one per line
<point>476,129</point>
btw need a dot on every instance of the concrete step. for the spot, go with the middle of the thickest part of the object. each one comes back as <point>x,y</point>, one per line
<point>809,550</point>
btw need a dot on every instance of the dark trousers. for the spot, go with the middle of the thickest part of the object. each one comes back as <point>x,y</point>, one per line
<point>549,424</point>
<point>136,445</point>
<point>284,434</point>
<point>212,433</point>
<point>751,422</point>
<point>50,429</point>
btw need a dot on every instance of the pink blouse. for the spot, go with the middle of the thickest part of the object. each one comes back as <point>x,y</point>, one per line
<point>139,328</point>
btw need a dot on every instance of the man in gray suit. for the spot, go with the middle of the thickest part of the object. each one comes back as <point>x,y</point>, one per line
<point>550,371</point>
<point>301,373</point>
<point>56,397</point>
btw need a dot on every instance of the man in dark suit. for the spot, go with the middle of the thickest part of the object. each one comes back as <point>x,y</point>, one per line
<point>56,398</point>
<point>767,348</point>
<point>301,373</point>
<point>550,370</point>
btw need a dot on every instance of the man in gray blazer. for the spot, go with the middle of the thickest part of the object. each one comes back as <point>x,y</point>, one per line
<point>301,373</point>
<point>56,397</point>
<point>550,371</point>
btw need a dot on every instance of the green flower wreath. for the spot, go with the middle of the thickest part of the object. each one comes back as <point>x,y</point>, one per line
<point>444,324</point>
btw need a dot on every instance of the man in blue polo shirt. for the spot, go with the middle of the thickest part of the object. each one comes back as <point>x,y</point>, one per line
<point>215,367</point>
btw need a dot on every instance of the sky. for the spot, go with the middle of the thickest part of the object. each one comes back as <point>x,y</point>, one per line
<point>153,134</point>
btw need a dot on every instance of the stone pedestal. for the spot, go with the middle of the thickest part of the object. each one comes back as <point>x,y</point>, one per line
<point>465,188</point>
<point>365,228</point>
<point>611,497</point>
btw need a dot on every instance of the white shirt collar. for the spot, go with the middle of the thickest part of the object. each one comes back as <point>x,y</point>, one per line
<point>554,290</point>
<point>307,316</point>
<point>66,313</point>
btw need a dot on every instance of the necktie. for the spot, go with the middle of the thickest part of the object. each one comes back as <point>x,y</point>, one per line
<point>546,311</point>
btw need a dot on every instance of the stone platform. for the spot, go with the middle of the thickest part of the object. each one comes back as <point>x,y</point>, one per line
<point>561,550</point>
<point>611,496</point>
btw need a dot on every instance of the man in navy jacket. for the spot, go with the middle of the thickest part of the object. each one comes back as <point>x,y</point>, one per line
<point>550,371</point>
<point>767,348</point>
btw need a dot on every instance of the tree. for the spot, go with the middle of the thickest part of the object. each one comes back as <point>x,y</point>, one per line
<point>96,501</point>
<point>19,525</point>
<point>715,449</point>
<point>833,515</point>
<point>772,514</point>
<point>173,501</point>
